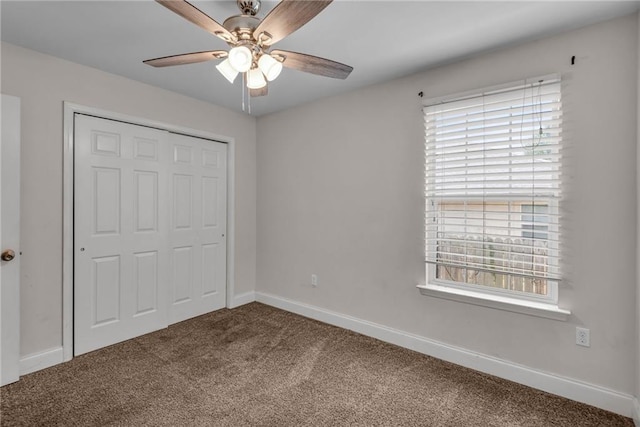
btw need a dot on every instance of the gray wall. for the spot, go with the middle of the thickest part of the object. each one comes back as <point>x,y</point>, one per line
<point>340,194</point>
<point>43,83</point>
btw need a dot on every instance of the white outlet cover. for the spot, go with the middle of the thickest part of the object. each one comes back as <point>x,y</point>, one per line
<point>583,337</point>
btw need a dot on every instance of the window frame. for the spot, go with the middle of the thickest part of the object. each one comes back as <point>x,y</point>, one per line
<point>550,298</point>
<point>512,300</point>
<point>552,285</point>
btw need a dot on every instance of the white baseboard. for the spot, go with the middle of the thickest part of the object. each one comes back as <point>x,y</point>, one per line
<point>243,299</point>
<point>594,395</point>
<point>636,411</point>
<point>37,361</point>
<point>42,360</point>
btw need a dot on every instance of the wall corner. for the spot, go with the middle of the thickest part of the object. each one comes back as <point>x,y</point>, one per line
<point>637,405</point>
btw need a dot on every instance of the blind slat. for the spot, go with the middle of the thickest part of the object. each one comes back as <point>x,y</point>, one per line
<point>493,129</point>
<point>479,261</point>
<point>515,114</point>
<point>489,250</point>
<point>513,143</point>
<point>507,146</point>
<point>498,233</point>
<point>520,94</point>
<point>511,272</point>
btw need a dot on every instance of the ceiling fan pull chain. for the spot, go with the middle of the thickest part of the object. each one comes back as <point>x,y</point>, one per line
<point>244,84</point>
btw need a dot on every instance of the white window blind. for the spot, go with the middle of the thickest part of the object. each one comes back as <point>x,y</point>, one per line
<point>493,185</point>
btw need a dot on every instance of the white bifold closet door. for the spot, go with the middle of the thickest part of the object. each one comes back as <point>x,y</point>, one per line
<point>149,225</point>
<point>198,257</point>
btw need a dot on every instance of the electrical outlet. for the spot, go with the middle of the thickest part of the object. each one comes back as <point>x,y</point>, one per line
<point>583,337</point>
<point>314,280</point>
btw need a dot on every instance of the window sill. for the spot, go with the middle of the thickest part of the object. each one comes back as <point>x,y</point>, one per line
<point>549,311</point>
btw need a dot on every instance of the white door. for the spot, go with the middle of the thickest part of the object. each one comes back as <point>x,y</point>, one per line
<point>121,226</point>
<point>198,257</point>
<point>10,240</point>
<point>149,230</point>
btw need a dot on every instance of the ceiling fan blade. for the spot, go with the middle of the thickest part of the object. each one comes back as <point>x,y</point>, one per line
<point>186,58</point>
<point>288,16</point>
<point>259,92</point>
<point>198,17</point>
<point>312,64</point>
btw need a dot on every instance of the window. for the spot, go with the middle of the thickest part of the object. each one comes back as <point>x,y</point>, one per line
<point>493,189</point>
<point>535,221</point>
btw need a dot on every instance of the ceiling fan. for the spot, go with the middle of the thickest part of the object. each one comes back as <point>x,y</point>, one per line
<point>250,40</point>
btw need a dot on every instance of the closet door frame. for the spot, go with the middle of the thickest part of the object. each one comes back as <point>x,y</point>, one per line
<point>70,110</point>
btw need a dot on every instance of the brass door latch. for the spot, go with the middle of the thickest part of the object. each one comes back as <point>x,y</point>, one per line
<point>8,255</point>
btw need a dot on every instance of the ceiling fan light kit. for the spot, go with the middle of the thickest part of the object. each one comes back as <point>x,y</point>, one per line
<point>256,79</point>
<point>270,67</point>
<point>250,40</point>
<point>227,70</point>
<point>241,58</point>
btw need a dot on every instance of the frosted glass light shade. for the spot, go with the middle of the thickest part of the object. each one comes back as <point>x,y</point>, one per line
<point>240,58</point>
<point>256,79</point>
<point>269,66</point>
<point>227,70</point>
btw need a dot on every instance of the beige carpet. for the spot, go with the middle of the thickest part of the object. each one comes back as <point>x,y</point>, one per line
<point>257,365</point>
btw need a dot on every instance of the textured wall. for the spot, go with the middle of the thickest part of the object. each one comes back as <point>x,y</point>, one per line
<point>340,194</point>
<point>42,83</point>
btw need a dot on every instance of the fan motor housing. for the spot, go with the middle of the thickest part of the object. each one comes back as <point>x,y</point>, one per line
<point>241,25</point>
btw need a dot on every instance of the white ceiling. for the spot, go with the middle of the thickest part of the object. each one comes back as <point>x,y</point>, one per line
<point>382,40</point>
